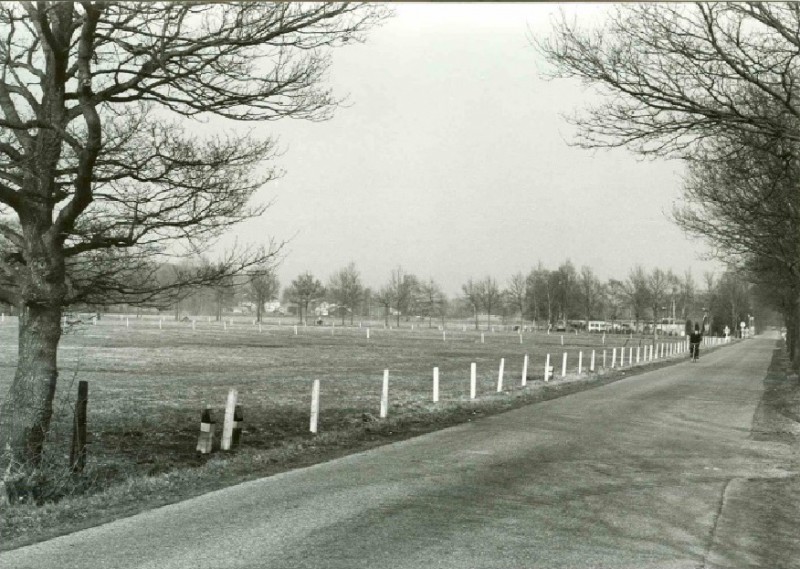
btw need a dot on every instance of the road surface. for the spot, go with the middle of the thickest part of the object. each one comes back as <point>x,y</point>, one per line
<point>652,471</point>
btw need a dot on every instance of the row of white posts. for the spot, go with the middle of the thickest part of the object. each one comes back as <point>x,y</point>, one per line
<point>650,353</point>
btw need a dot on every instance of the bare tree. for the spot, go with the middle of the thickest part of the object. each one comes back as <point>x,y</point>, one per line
<point>346,290</point>
<point>264,287</point>
<point>490,297</point>
<point>715,83</point>
<point>681,74</point>
<point>385,298</point>
<point>432,300</point>
<point>590,290</point>
<point>659,284</point>
<point>304,290</point>
<point>405,288</point>
<point>472,294</point>
<point>633,292</point>
<point>97,174</point>
<point>517,294</point>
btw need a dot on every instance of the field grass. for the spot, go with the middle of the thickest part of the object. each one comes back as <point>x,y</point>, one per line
<point>149,382</point>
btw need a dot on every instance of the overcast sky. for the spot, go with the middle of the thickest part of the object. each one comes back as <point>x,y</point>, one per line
<point>453,161</point>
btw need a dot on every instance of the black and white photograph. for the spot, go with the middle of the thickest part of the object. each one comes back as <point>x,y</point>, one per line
<point>407,285</point>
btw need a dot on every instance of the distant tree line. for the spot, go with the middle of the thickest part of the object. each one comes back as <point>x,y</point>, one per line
<point>541,298</point>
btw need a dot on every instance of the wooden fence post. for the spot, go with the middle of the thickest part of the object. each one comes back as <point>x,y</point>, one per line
<point>238,426</point>
<point>436,385</point>
<point>205,442</point>
<point>77,452</point>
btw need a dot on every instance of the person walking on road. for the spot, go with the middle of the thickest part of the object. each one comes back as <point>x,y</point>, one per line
<point>694,343</point>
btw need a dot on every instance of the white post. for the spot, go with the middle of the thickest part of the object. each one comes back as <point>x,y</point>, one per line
<point>295,329</point>
<point>630,356</point>
<point>500,375</point>
<point>564,365</point>
<point>604,338</point>
<point>591,365</point>
<point>194,324</point>
<point>604,359</point>
<point>259,327</point>
<point>562,339</point>
<point>547,368</point>
<point>436,385</point>
<point>481,337</point>
<point>224,325</point>
<point>637,354</point>
<point>613,357</point>
<point>473,379</point>
<point>314,405</point>
<point>622,357</point>
<point>367,333</point>
<point>444,335</point>
<point>520,338</point>
<point>160,323</point>
<point>525,370</point>
<point>385,395</point>
<point>127,322</point>
<point>227,425</point>
<point>580,362</point>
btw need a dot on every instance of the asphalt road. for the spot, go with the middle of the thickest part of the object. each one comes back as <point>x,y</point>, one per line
<point>651,471</point>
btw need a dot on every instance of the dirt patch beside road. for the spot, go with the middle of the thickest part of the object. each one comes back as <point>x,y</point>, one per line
<point>760,514</point>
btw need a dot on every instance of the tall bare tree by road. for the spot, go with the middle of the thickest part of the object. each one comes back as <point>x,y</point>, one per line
<point>702,81</point>
<point>99,176</point>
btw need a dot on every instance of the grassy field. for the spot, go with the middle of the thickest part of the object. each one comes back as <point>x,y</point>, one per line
<point>149,381</point>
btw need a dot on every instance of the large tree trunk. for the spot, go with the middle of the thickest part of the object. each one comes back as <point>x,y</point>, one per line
<point>26,412</point>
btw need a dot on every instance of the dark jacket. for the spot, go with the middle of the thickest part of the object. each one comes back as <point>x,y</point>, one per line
<point>695,337</point>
